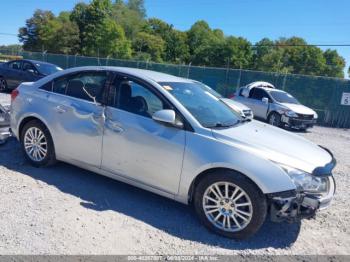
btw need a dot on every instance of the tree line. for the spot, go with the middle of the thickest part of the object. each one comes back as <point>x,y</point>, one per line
<point>121,29</point>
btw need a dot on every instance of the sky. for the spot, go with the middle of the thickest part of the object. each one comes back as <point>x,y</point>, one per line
<point>317,21</point>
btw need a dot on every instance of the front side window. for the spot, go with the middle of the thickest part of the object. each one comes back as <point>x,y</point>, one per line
<point>208,109</point>
<point>87,85</point>
<point>135,98</point>
<point>29,67</point>
<point>258,94</point>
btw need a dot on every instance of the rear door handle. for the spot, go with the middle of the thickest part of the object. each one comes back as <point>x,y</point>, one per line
<point>60,109</point>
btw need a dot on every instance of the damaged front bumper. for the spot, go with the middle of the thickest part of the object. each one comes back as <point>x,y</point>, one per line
<point>298,123</point>
<point>292,206</point>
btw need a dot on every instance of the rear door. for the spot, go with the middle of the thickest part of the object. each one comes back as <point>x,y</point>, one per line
<point>256,104</point>
<point>79,116</point>
<point>14,74</point>
<point>134,145</point>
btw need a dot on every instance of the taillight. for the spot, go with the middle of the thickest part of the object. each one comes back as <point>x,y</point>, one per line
<point>231,96</point>
<point>14,94</point>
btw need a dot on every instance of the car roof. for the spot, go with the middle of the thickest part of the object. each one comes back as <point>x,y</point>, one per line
<point>142,73</point>
<point>38,62</point>
<point>31,61</point>
<point>260,84</point>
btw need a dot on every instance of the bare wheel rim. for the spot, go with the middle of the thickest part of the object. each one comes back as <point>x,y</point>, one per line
<point>35,144</point>
<point>227,206</point>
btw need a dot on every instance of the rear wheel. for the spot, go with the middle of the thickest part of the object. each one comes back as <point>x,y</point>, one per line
<point>275,119</point>
<point>37,144</point>
<point>3,84</point>
<point>229,204</point>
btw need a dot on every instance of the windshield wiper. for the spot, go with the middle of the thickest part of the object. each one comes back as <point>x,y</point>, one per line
<point>221,125</point>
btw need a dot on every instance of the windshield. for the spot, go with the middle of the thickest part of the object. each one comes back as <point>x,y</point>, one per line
<point>47,69</point>
<point>283,97</point>
<point>202,103</point>
<point>209,89</point>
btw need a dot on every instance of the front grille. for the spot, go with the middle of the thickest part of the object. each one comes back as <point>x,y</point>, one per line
<point>305,117</point>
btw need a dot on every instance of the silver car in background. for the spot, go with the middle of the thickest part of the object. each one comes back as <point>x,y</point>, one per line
<point>167,135</point>
<point>244,111</point>
<point>275,106</point>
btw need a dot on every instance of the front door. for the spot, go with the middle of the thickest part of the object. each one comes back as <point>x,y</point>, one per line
<point>79,117</point>
<point>134,145</point>
<point>259,107</point>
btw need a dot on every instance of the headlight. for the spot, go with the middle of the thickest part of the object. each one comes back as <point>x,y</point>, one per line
<point>307,182</point>
<point>291,113</point>
<point>315,116</point>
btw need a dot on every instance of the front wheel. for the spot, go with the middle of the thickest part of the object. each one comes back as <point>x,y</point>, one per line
<point>37,144</point>
<point>275,119</point>
<point>229,204</point>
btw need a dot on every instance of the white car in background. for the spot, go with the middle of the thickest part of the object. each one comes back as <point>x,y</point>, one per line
<point>275,106</point>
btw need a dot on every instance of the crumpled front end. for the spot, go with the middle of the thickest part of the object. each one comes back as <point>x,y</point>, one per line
<point>294,205</point>
<point>301,203</point>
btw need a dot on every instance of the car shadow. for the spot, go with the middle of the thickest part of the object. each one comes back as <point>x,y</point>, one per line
<point>100,193</point>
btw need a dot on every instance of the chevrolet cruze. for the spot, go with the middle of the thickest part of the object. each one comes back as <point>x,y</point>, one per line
<point>171,136</point>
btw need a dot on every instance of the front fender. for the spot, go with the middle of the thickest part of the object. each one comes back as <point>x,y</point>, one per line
<point>203,152</point>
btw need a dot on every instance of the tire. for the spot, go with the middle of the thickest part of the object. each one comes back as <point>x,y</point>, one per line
<point>274,119</point>
<point>257,208</point>
<point>36,134</point>
<point>3,85</point>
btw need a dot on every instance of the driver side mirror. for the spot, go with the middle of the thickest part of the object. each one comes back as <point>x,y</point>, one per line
<point>265,100</point>
<point>31,71</point>
<point>167,116</point>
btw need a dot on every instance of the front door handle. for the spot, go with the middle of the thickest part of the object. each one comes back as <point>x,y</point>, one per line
<point>115,127</point>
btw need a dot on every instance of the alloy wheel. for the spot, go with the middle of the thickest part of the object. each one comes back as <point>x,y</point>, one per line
<point>35,144</point>
<point>227,206</point>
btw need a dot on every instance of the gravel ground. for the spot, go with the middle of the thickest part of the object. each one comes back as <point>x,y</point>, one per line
<point>66,210</point>
<point>5,99</point>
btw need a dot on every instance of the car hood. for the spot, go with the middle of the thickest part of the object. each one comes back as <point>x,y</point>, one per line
<point>275,144</point>
<point>299,109</point>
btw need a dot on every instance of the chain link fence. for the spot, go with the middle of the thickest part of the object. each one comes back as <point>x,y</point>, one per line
<point>323,94</point>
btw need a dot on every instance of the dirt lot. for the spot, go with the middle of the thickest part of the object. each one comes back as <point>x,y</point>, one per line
<point>66,210</point>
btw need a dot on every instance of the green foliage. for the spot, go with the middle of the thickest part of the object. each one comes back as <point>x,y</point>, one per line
<point>60,35</point>
<point>145,43</point>
<point>29,35</point>
<point>120,29</point>
<point>131,20</point>
<point>240,52</point>
<point>176,49</point>
<point>137,6</point>
<point>334,64</point>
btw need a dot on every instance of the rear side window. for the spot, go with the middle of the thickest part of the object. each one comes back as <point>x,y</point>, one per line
<point>86,85</point>
<point>47,87</point>
<point>59,85</point>
<point>15,65</point>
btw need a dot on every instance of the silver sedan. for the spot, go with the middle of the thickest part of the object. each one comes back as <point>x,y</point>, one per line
<point>170,136</point>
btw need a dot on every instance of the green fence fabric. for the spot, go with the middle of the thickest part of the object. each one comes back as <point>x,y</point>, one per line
<point>323,94</point>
